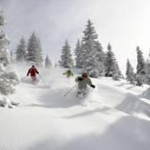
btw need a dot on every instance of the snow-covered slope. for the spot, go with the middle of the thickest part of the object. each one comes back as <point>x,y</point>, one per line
<point>114,116</point>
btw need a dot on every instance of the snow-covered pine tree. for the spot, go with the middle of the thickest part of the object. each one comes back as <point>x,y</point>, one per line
<point>130,75</point>
<point>2,20</point>
<point>140,61</point>
<point>12,57</point>
<point>140,73</point>
<point>147,70</point>
<point>4,43</point>
<point>90,51</point>
<point>39,53</point>
<point>111,65</point>
<point>81,57</point>
<point>34,50</point>
<point>48,62</point>
<point>118,74</point>
<point>100,57</point>
<point>7,79</point>
<point>66,56</point>
<point>78,54</point>
<point>21,50</point>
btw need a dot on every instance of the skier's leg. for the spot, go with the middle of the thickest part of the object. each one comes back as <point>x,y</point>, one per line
<point>33,79</point>
<point>84,91</point>
<point>78,92</point>
<point>81,92</point>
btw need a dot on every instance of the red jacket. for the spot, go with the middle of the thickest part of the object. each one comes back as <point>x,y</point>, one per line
<point>32,71</point>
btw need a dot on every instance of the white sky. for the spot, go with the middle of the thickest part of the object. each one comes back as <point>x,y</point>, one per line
<point>123,23</point>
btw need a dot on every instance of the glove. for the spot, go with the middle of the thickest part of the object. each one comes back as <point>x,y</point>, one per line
<point>93,86</point>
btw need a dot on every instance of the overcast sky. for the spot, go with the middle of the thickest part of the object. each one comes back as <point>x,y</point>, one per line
<point>123,23</point>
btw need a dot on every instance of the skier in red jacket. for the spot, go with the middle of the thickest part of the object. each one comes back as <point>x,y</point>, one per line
<point>32,72</point>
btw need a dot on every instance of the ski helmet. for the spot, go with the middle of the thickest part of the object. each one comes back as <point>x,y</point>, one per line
<point>84,74</point>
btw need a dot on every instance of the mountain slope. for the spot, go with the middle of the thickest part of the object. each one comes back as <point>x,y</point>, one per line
<point>113,116</point>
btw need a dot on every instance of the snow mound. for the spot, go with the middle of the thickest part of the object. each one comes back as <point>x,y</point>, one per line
<point>146,94</point>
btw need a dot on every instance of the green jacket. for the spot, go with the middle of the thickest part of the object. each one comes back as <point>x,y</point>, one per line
<point>68,73</point>
<point>83,82</point>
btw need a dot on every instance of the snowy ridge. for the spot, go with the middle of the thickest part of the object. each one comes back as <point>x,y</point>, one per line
<point>114,116</point>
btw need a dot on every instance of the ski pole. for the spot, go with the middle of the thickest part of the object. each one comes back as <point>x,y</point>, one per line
<point>69,90</point>
<point>23,78</point>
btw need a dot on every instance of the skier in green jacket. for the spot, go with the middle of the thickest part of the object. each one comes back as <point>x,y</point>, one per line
<point>68,73</point>
<point>83,81</point>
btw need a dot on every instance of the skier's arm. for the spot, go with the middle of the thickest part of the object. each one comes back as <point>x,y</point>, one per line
<point>78,79</point>
<point>90,83</point>
<point>36,71</point>
<point>28,72</point>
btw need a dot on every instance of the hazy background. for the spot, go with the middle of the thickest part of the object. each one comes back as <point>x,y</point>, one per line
<point>123,23</point>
